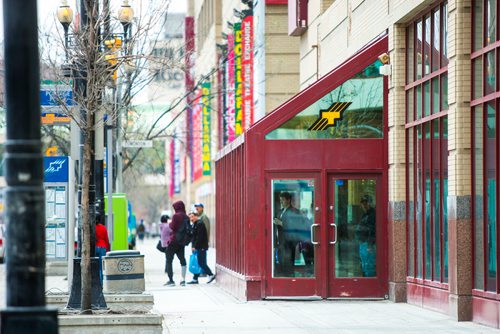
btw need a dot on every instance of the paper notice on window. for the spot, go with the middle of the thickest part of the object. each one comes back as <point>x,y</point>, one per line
<point>61,251</point>
<point>50,249</point>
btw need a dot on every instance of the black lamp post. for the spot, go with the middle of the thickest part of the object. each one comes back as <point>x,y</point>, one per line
<point>25,201</point>
<point>125,16</point>
<point>65,16</point>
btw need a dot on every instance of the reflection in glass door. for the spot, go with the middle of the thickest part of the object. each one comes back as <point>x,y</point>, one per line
<point>293,237</point>
<point>354,225</point>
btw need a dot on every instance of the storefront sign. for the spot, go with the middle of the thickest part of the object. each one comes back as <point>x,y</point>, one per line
<point>238,83</point>
<point>197,136</point>
<point>247,72</point>
<point>327,118</point>
<point>230,89</point>
<point>205,137</point>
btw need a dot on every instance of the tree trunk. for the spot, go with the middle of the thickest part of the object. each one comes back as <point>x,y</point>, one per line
<point>85,261</point>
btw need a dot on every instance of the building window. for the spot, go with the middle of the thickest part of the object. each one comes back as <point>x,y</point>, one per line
<point>427,146</point>
<point>485,106</point>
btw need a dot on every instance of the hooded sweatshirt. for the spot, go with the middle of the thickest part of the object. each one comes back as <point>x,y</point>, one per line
<point>177,219</point>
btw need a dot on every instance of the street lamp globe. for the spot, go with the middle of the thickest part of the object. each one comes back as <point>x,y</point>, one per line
<point>125,13</point>
<point>65,14</point>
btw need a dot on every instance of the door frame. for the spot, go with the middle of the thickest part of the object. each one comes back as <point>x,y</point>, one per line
<point>357,287</point>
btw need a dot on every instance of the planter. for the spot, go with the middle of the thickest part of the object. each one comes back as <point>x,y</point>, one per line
<point>109,323</point>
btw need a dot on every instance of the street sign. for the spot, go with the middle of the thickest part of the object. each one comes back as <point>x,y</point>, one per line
<point>52,97</point>
<point>138,143</point>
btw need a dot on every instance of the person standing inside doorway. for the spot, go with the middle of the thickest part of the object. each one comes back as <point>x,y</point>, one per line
<point>200,246</point>
<point>365,235</point>
<point>204,218</point>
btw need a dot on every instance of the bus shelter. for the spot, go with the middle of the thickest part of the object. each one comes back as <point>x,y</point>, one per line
<point>301,196</point>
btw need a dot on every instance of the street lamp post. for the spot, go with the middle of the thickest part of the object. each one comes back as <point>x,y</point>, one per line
<point>26,310</point>
<point>125,16</point>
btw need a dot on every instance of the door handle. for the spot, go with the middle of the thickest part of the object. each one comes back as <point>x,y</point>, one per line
<point>334,234</point>
<point>312,234</point>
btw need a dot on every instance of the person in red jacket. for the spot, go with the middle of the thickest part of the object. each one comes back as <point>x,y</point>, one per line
<point>174,248</point>
<point>101,241</point>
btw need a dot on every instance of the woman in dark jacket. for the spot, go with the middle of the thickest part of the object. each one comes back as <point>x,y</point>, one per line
<point>173,247</point>
<point>200,246</point>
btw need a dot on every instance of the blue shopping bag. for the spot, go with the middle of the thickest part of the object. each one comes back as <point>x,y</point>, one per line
<point>194,267</point>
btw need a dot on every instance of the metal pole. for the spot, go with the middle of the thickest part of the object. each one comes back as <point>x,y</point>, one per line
<point>25,201</point>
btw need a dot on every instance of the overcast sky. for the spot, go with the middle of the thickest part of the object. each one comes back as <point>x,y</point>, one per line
<point>47,9</point>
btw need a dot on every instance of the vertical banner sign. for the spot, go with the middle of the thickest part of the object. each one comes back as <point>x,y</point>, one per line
<point>177,163</point>
<point>230,88</point>
<point>205,125</point>
<point>172,173</point>
<point>238,84</point>
<point>197,137</point>
<point>247,72</point>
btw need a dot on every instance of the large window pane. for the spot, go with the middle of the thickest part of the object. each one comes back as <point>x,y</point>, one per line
<point>410,65</point>
<point>419,48</point>
<point>490,82</point>
<point>436,209</point>
<point>435,95</point>
<point>420,194</point>
<point>478,24</point>
<point>444,37</point>
<point>477,84</point>
<point>418,102</point>
<point>436,40</point>
<point>411,203</point>
<point>491,21</point>
<point>478,199</point>
<point>427,98</point>
<point>409,105</point>
<point>363,117</point>
<point>444,91</point>
<point>427,199</point>
<point>491,210</point>
<point>292,216</point>
<point>444,175</point>
<point>427,45</point>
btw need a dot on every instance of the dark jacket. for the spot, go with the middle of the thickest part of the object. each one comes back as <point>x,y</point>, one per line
<point>177,219</point>
<point>200,237</point>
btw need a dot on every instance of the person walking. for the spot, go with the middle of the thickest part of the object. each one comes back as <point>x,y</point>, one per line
<point>174,248</point>
<point>101,241</point>
<point>200,246</point>
<point>204,218</point>
<point>165,234</point>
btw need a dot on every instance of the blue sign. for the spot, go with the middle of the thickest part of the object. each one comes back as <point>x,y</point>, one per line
<point>56,95</point>
<point>55,169</point>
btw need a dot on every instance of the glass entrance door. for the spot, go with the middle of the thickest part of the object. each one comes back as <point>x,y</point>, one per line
<point>293,227</point>
<point>356,266</point>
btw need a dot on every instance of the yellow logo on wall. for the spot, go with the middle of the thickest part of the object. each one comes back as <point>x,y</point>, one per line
<point>329,117</point>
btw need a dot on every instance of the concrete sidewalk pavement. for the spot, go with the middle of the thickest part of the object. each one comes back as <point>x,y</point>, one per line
<point>205,308</point>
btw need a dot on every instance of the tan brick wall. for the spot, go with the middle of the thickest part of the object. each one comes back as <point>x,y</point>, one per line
<point>282,58</point>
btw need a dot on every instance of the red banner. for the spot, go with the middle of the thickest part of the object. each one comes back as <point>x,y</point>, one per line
<point>247,70</point>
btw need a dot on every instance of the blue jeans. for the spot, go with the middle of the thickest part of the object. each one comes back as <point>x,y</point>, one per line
<point>202,262</point>
<point>100,252</point>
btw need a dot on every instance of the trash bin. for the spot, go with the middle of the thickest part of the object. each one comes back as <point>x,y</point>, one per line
<point>123,272</point>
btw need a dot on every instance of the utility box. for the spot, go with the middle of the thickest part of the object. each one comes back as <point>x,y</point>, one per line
<point>123,272</point>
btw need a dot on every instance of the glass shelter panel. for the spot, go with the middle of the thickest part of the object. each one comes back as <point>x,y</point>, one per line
<point>355,215</point>
<point>352,110</point>
<point>292,223</point>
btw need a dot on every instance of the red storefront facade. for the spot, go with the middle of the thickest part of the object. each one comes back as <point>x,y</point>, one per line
<point>301,197</point>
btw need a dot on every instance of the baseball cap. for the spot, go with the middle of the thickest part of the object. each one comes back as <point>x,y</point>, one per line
<point>198,204</point>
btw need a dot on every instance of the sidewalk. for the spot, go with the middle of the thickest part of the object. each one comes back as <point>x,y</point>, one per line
<point>205,308</point>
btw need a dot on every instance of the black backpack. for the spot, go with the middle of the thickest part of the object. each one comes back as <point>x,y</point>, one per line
<point>184,234</point>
